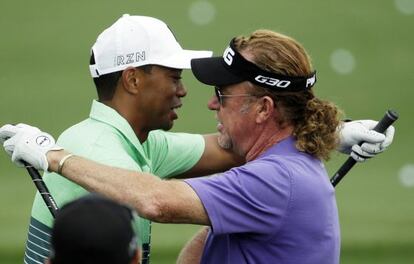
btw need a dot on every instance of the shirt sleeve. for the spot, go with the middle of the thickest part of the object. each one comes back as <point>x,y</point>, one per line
<point>173,153</point>
<point>252,198</point>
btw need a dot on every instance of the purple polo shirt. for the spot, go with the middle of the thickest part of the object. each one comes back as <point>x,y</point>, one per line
<point>279,208</point>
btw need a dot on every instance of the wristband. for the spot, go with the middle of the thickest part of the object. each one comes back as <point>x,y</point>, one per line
<point>62,162</point>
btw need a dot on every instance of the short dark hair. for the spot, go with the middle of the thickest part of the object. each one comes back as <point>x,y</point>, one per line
<point>106,84</point>
<point>93,229</point>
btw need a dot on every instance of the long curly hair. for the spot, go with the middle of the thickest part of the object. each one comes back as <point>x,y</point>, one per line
<point>315,121</point>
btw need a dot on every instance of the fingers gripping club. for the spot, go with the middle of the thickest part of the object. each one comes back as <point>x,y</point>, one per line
<point>389,118</point>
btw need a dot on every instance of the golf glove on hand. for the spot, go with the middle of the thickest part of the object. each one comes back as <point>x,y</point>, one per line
<point>29,144</point>
<point>8,131</point>
<point>355,132</point>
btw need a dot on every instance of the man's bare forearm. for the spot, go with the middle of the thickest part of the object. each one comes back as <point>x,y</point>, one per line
<point>154,199</point>
<point>193,250</point>
<point>215,159</point>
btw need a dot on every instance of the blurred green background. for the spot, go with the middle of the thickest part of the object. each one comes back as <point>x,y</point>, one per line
<point>363,51</point>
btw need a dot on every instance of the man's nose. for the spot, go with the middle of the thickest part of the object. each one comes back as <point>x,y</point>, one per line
<point>213,103</point>
<point>181,91</point>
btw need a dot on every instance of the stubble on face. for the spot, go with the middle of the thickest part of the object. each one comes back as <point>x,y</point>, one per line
<point>224,139</point>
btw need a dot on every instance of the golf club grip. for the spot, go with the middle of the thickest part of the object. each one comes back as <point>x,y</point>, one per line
<point>390,117</point>
<point>42,188</point>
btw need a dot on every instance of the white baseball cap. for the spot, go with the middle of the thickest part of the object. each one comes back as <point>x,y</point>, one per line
<point>134,41</point>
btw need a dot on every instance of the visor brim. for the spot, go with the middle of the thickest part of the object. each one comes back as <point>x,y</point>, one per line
<point>212,71</point>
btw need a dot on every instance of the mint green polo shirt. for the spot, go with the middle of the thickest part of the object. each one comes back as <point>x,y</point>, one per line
<point>106,137</point>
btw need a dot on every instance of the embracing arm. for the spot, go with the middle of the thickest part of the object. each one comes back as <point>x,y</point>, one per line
<point>162,201</point>
<point>157,200</point>
<point>213,160</point>
<point>193,250</point>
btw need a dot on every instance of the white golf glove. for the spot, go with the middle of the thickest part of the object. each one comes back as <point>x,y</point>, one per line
<point>7,131</point>
<point>355,132</point>
<point>27,143</point>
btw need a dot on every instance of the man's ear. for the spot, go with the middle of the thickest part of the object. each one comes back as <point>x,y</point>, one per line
<point>264,109</point>
<point>130,79</point>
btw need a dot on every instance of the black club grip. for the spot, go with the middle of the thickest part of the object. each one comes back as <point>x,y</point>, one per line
<point>42,188</point>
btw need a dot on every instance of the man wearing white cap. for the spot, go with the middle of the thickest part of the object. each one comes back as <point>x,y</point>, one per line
<point>136,64</point>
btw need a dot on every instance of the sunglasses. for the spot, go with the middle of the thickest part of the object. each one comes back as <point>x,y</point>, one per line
<point>220,96</point>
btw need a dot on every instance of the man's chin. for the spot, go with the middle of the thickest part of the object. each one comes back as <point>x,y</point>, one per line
<point>224,142</point>
<point>167,126</point>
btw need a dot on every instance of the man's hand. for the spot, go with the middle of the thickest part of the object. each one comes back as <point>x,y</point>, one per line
<point>27,143</point>
<point>7,131</point>
<point>355,132</point>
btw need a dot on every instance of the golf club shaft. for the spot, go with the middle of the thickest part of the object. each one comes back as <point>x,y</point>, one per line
<point>389,118</point>
<point>42,188</point>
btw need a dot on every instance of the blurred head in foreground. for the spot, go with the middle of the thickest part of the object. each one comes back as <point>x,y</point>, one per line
<point>94,229</point>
